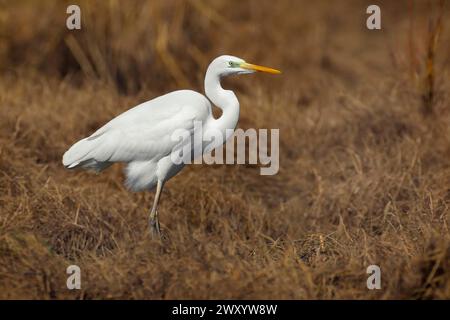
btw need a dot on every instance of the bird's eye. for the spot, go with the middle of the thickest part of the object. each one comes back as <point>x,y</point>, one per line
<point>230,63</point>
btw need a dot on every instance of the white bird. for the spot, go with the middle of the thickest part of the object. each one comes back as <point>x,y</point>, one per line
<point>142,136</point>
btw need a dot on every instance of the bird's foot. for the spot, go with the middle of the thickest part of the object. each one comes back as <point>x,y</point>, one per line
<point>155,231</point>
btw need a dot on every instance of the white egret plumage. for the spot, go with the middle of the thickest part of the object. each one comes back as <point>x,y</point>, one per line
<point>142,136</point>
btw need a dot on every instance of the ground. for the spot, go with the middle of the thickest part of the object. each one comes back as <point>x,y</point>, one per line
<point>364,152</point>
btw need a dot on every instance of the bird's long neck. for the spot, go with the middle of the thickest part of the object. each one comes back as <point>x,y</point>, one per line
<point>226,100</point>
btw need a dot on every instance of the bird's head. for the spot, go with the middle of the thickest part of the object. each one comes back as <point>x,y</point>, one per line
<point>228,65</point>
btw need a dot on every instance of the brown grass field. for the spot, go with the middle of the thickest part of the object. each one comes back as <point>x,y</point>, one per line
<point>364,151</point>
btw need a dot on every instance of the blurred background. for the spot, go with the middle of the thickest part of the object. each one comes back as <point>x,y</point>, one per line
<point>364,147</point>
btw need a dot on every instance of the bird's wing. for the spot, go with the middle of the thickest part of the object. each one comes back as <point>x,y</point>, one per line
<point>144,132</point>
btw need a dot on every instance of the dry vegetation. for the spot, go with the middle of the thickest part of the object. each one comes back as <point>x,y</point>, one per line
<point>364,178</point>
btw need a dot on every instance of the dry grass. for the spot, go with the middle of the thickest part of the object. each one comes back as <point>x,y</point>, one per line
<point>423,65</point>
<point>364,177</point>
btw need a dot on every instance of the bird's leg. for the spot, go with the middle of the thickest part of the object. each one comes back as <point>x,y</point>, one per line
<point>155,230</point>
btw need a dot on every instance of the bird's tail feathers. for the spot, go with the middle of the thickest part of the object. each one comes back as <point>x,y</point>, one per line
<point>80,155</point>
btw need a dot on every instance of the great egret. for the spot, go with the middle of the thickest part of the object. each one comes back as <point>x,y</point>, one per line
<point>142,136</point>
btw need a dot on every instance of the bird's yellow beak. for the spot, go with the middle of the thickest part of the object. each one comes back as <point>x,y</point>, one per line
<point>255,67</point>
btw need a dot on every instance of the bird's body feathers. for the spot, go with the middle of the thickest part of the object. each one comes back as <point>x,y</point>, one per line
<point>142,137</point>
